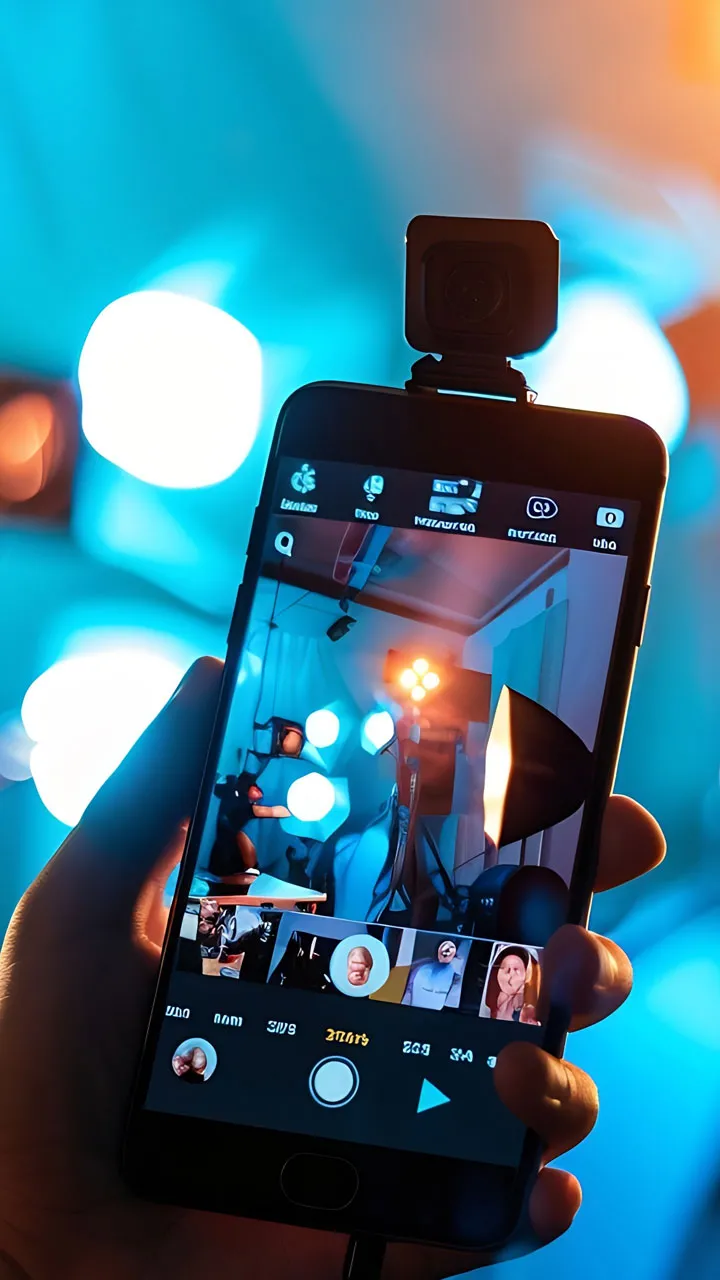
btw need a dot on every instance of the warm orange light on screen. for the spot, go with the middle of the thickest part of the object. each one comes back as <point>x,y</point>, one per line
<point>419,679</point>
<point>498,764</point>
<point>26,424</point>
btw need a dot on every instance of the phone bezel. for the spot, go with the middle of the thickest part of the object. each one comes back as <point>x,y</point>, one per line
<point>536,445</point>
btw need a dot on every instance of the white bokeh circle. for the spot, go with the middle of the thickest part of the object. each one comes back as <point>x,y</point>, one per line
<point>311,797</point>
<point>322,728</point>
<point>171,389</point>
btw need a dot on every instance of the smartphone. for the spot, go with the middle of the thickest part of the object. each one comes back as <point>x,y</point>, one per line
<point>427,675</point>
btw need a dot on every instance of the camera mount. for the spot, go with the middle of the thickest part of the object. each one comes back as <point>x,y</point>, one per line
<point>491,376</point>
<point>478,291</point>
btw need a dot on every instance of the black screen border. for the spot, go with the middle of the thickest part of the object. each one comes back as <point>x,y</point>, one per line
<point>517,443</point>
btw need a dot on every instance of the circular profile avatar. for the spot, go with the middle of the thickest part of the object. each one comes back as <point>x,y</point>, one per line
<point>359,965</point>
<point>194,1061</point>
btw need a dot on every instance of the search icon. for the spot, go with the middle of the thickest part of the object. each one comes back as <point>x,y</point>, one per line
<point>284,543</point>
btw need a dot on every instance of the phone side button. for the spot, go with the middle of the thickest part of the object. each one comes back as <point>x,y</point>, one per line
<point>642,615</point>
<point>240,601</point>
<point>319,1182</point>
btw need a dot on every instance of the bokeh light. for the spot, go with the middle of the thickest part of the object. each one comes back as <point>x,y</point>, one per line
<point>311,797</point>
<point>377,732</point>
<point>171,389</point>
<point>15,750</point>
<point>322,728</point>
<point>498,765</point>
<point>83,715</point>
<point>26,446</point>
<point>419,679</point>
<point>609,355</point>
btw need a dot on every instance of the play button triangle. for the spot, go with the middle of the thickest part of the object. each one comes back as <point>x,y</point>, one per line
<point>430,1096</point>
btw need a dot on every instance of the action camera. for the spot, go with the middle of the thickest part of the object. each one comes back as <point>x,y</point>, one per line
<point>480,286</point>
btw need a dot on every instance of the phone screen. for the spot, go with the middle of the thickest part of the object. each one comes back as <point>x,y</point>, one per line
<point>394,817</point>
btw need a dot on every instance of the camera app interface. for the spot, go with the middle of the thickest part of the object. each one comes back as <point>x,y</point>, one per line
<point>395,813</point>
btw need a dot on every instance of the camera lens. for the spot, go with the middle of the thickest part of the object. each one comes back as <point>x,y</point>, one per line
<point>474,291</point>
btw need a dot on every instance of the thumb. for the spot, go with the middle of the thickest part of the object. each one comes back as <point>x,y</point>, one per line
<point>137,813</point>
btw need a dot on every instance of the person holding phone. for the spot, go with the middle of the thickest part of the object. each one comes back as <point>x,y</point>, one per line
<point>491,617</point>
<point>75,1030</point>
<point>486,528</point>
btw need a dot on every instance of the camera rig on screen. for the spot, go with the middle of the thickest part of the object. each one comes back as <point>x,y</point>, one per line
<point>478,291</point>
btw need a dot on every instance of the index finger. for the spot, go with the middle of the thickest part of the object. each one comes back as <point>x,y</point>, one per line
<point>631,843</point>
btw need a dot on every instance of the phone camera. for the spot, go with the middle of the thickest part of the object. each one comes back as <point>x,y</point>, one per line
<point>474,292</point>
<point>480,286</point>
<point>468,290</point>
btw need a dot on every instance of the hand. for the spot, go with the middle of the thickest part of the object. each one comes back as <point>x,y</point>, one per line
<point>75,990</point>
<point>270,811</point>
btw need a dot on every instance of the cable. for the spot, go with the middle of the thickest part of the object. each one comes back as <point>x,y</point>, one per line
<point>292,605</point>
<point>250,751</point>
<point>364,1258</point>
<point>263,669</point>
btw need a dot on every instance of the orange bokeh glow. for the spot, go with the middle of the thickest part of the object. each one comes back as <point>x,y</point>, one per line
<point>419,679</point>
<point>26,446</point>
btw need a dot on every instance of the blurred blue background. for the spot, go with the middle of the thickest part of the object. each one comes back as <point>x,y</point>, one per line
<point>265,160</point>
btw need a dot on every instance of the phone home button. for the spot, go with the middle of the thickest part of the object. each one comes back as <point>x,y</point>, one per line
<point>319,1182</point>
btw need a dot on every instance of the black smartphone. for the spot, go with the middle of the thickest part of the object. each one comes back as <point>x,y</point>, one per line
<point>427,675</point>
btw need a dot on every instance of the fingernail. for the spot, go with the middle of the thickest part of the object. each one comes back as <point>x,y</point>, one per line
<point>186,679</point>
<point>559,1082</point>
<point>180,686</point>
<point>204,674</point>
<point>607,970</point>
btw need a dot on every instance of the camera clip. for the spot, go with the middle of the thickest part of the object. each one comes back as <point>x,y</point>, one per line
<point>478,291</point>
<point>491,376</point>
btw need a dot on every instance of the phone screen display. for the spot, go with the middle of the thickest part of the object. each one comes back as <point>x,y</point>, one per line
<point>395,810</point>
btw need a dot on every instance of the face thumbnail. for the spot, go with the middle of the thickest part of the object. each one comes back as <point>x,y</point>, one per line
<point>513,985</point>
<point>409,745</point>
<point>359,964</point>
<point>511,975</point>
<point>222,938</point>
<point>403,966</point>
<point>194,1061</point>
